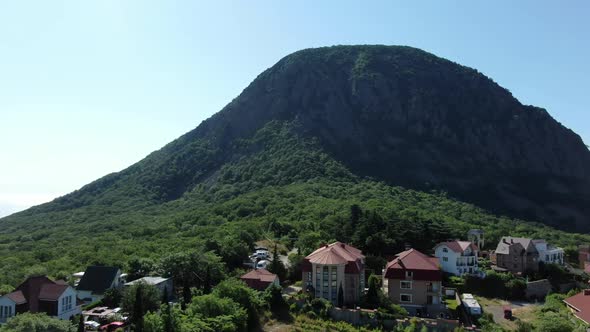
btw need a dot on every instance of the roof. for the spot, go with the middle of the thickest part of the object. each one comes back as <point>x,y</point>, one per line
<point>335,254</point>
<point>423,266</point>
<point>259,279</point>
<point>506,241</point>
<point>458,246</point>
<point>148,280</point>
<point>17,297</point>
<point>98,278</point>
<point>52,292</point>
<point>581,303</point>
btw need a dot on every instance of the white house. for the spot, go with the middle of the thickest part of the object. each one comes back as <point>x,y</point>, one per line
<point>40,294</point>
<point>548,253</point>
<point>458,257</point>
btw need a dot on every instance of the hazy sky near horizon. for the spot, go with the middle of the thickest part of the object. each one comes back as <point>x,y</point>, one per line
<point>90,87</point>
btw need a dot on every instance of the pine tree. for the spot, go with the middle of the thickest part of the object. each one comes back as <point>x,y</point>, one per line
<point>138,310</point>
<point>340,296</point>
<point>165,295</point>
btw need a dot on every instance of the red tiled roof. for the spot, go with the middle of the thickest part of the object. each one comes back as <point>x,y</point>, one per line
<point>259,279</point>
<point>260,274</point>
<point>335,253</point>
<point>51,292</point>
<point>458,246</point>
<point>581,305</point>
<point>423,267</point>
<point>17,297</point>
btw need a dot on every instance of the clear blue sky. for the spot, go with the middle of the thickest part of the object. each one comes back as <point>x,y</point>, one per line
<point>90,87</point>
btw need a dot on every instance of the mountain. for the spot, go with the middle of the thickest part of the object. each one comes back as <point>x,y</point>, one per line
<point>346,117</point>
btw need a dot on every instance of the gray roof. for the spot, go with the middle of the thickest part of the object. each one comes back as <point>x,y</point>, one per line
<point>148,280</point>
<point>505,242</point>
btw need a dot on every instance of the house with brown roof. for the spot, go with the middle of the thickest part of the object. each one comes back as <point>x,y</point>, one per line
<point>260,279</point>
<point>414,281</point>
<point>579,305</point>
<point>334,268</point>
<point>458,257</point>
<point>40,294</point>
<point>516,254</point>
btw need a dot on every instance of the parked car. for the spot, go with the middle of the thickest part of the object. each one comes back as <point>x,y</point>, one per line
<point>262,264</point>
<point>507,312</point>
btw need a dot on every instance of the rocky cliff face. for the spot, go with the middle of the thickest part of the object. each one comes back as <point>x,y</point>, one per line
<point>407,117</point>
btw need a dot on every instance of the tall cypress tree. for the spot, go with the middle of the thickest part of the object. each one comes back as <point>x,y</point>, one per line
<point>81,324</point>
<point>138,310</point>
<point>340,296</point>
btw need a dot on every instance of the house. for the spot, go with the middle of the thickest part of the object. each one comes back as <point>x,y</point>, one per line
<point>549,254</point>
<point>457,257</point>
<point>584,257</point>
<point>414,281</point>
<point>260,279</point>
<point>165,285</point>
<point>335,268</point>
<point>579,305</point>
<point>516,254</point>
<point>97,280</point>
<point>476,236</point>
<point>40,294</point>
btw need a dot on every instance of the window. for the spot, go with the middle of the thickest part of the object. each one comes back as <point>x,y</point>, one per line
<point>409,274</point>
<point>405,285</point>
<point>407,298</point>
<point>445,259</point>
<point>5,311</point>
<point>66,304</point>
<point>445,250</point>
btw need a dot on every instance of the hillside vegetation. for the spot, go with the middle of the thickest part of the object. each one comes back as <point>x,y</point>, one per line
<point>380,146</point>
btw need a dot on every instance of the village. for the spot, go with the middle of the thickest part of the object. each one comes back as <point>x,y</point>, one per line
<point>453,286</point>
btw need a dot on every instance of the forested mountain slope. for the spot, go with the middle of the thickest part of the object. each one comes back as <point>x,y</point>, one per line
<point>385,127</point>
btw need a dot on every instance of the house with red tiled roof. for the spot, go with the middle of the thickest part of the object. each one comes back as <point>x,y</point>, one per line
<point>457,257</point>
<point>334,268</point>
<point>579,305</point>
<point>40,294</point>
<point>414,281</point>
<point>260,279</point>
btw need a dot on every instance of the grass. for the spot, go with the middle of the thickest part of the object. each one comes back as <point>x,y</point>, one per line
<point>452,304</point>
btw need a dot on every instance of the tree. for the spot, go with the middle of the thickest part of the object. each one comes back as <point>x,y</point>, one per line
<point>373,298</point>
<point>220,314</point>
<point>170,318</point>
<point>139,267</point>
<point>553,322</point>
<point>112,297</point>
<point>5,289</point>
<point>29,322</point>
<point>194,269</point>
<point>340,296</point>
<point>239,292</point>
<point>81,327</point>
<point>152,322</point>
<point>276,266</point>
<point>138,300</point>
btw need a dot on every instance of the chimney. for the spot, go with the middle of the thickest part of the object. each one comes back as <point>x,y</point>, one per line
<point>586,292</point>
<point>408,246</point>
<point>504,240</point>
<point>343,245</point>
<point>511,241</point>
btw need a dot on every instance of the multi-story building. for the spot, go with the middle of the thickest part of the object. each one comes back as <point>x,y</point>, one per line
<point>549,254</point>
<point>517,255</point>
<point>458,257</point>
<point>414,281</point>
<point>335,268</point>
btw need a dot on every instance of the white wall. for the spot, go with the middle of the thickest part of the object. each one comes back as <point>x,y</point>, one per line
<point>450,266</point>
<point>74,309</point>
<point>6,302</point>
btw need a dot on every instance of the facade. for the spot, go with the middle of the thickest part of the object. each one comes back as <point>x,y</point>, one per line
<point>96,281</point>
<point>260,279</point>
<point>40,294</point>
<point>335,268</point>
<point>165,285</point>
<point>579,305</point>
<point>414,281</point>
<point>549,254</point>
<point>584,257</point>
<point>476,236</point>
<point>458,257</point>
<point>517,255</point>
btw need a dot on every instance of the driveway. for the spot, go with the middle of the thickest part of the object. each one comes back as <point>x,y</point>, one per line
<point>520,310</point>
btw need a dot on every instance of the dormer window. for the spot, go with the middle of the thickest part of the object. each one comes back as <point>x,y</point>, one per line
<point>445,250</point>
